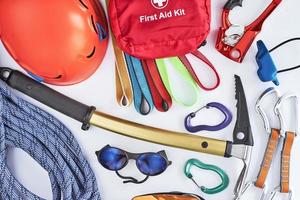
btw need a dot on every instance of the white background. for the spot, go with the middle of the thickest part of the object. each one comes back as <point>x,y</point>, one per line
<point>99,91</point>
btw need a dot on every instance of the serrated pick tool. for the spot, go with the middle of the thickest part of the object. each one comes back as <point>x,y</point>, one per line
<point>240,148</point>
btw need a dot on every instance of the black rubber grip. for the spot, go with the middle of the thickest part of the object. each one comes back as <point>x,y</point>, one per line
<point>48,96</point>
<point>232,4</point>
<point>228,150</point>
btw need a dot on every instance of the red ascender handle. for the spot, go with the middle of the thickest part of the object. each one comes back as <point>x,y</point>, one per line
<point>235,45</point>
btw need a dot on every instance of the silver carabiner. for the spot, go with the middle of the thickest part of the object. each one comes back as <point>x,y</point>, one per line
<point>248,186</point>
<point>259,109</point>
<point>268,128</point>
<point>280,114</point>
<point>272,195</point>
<point>240,184</point>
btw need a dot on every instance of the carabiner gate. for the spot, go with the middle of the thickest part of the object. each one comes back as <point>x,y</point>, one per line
<point>258,106</point>
<point>279,112</point>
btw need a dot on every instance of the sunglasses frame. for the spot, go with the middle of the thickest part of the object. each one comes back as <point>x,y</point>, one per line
<point>134,156</point>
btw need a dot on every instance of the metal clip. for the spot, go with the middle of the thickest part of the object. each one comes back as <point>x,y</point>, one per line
<point>240,184</point>
<point>284,130</point>
<point>248,186</point>
<point>222,125</point>
<point>259,109</point>
<point>276,191</point>
<point>225,179</point>
<point>279,112</point>
<point>268,128</point>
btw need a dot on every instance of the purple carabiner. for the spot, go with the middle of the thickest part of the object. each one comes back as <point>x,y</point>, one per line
<point>222,125</point>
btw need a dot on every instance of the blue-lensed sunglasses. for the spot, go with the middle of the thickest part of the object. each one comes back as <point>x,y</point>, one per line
<point>150,164</point>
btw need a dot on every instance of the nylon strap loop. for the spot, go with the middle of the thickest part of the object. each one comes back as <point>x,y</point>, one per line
<point>158,82</point>
<point>162,102</point>
<point>203,58</point>
<point>142,96</point>
<point>285,162</point>
<point>268,157</point>
<point>186,76</point>
<point>124,93</point>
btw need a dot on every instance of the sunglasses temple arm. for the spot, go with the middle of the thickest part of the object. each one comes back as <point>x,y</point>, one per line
<point>131,179</point>
<point>125,177</point>
<point>136,181</point>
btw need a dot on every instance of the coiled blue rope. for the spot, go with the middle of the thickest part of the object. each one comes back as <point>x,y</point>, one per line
<point>50,143</point>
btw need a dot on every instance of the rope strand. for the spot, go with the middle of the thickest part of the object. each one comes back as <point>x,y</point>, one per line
<point>50,143</point>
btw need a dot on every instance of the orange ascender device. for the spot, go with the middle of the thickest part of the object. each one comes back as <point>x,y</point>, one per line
<point>234,41</point>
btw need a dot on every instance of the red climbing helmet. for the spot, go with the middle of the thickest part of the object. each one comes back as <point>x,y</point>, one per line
<point>61,42</point>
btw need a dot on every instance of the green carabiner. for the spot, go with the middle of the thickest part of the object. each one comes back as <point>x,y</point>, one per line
<point>225,179</point>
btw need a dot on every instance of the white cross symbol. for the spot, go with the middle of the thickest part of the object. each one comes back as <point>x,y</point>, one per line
<point>159,2</point>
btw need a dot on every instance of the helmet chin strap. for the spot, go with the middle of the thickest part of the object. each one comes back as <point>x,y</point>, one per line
<point>131,179</point>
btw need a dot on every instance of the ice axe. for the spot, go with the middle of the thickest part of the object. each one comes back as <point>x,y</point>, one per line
<point>241,147</point>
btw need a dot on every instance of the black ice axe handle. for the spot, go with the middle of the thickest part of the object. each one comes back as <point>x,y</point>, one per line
<point>48,96</point>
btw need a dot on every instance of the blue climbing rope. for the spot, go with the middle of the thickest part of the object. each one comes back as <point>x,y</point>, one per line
<point>50,143</point>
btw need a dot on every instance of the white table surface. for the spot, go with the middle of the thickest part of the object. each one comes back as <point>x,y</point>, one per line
<point>100,88</point>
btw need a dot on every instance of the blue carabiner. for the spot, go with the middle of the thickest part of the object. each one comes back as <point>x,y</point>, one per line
<point>193,129</point>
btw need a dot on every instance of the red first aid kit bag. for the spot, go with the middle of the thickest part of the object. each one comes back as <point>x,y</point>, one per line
<point>151,29</point>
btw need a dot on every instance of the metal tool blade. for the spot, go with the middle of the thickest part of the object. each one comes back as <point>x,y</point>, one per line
<point>242,136</point>
<point>242,133</point>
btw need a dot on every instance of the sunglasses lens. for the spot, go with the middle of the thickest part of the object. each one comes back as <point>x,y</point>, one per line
<point>112,158</point>
<point>151,164</point>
